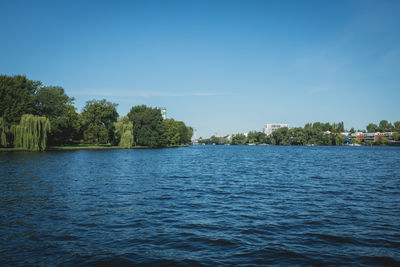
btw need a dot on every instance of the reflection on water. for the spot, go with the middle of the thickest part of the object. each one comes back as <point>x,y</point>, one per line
<point>202,205</point>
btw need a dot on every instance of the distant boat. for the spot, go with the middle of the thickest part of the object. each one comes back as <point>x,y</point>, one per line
<point>352,144</point>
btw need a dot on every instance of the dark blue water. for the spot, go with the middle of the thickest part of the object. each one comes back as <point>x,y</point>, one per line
<point>206,205</point>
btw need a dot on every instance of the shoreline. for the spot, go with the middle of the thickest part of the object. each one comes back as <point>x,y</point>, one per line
<point>105,147</point>
<point>89,147</point>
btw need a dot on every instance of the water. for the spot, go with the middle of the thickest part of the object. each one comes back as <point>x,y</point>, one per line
<point>206,205</point>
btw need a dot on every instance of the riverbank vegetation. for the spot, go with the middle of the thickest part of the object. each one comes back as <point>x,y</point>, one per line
<point>35,117</point>
<point>317,133</point>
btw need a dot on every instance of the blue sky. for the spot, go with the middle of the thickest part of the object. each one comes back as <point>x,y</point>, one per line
<point>220,66</point>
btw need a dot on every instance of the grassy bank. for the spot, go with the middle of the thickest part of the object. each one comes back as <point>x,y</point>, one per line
<point>89,147</point>
<point>11,149</point>
<point>81,147</point>
<point>100,147</point>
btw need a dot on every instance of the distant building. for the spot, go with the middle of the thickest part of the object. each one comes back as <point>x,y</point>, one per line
<point>194,139</point>
<point>271,127</point>
<point>164,113</point>
<point>371,137</point>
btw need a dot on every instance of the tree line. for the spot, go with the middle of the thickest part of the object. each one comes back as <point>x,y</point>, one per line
<point>311,134</point>
<point>33,116</point>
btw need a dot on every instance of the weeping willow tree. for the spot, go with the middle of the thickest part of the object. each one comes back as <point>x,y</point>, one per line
<point>126,139</point>
<point>124,132</point>
<point>31,132</point>
<point>3,132</point>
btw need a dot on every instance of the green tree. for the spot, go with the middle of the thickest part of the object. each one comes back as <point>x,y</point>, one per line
<point>215,140</point>
<point>257,138</point>
<point>280,136</point>
<point>339,139</point>
<point>355,141</point>
<point>185,133</point>
<point>381,141</point>
<point>4,130</point>
<point>337,127</point>
<point>98,119</point>
<point>53,103</point>
<point>252,137</point>
<point>396,136</point>
<point>17,97</point>
<point>238,139</point>
<point>322,126</point>
<point>297,136</point>
<point>176,132</point>
<point>31,132</point>
<point>372,128</point>
<point>311,134</point>
<point>74,129</point>
<point>124,132</point>
<point>396,126</point>
<point>173,137</point>
<point>325,140</point>
<point>148,127</point>
<point>189,135</point>
<point>385,126</point>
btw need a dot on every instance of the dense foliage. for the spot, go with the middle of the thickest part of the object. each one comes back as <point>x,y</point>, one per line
<point>124,132</point>
<point>147,126</point>
<point>316,134</point>
<point>176,132</point>
<point>54,104</point>
<point>17,97</point>
<point>33,116</point>
<point>98,118</point>
<point>31,132</point>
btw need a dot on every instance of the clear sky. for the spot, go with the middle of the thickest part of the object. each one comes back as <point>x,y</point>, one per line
<point>220,66</point>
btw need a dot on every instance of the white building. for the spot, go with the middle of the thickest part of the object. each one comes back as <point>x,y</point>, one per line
<point>271,127</point>
<point>164,113</point>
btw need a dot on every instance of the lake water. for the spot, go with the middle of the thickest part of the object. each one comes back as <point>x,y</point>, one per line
<point>204,205</point>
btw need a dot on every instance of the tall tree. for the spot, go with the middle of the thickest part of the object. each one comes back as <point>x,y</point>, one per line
<point>396,136</point>
<point>280,136</point>
<point>177,133</point>
<point>257,138</point>
<point>53,103</point>
<point>396,126</point>
<point>3,133</point>
<point>17,97</point>
<point>31,132</point>
<point>123,132</point>
<point>372,128</point>
<point>148,127</point>
<point>385,126</point>
<point>239,139</point>
<point>172,135</point>
<point>98,117</point>
<point>297,136</point>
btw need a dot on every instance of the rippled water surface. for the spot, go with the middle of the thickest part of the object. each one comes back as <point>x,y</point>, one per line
<point>205,205</point>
